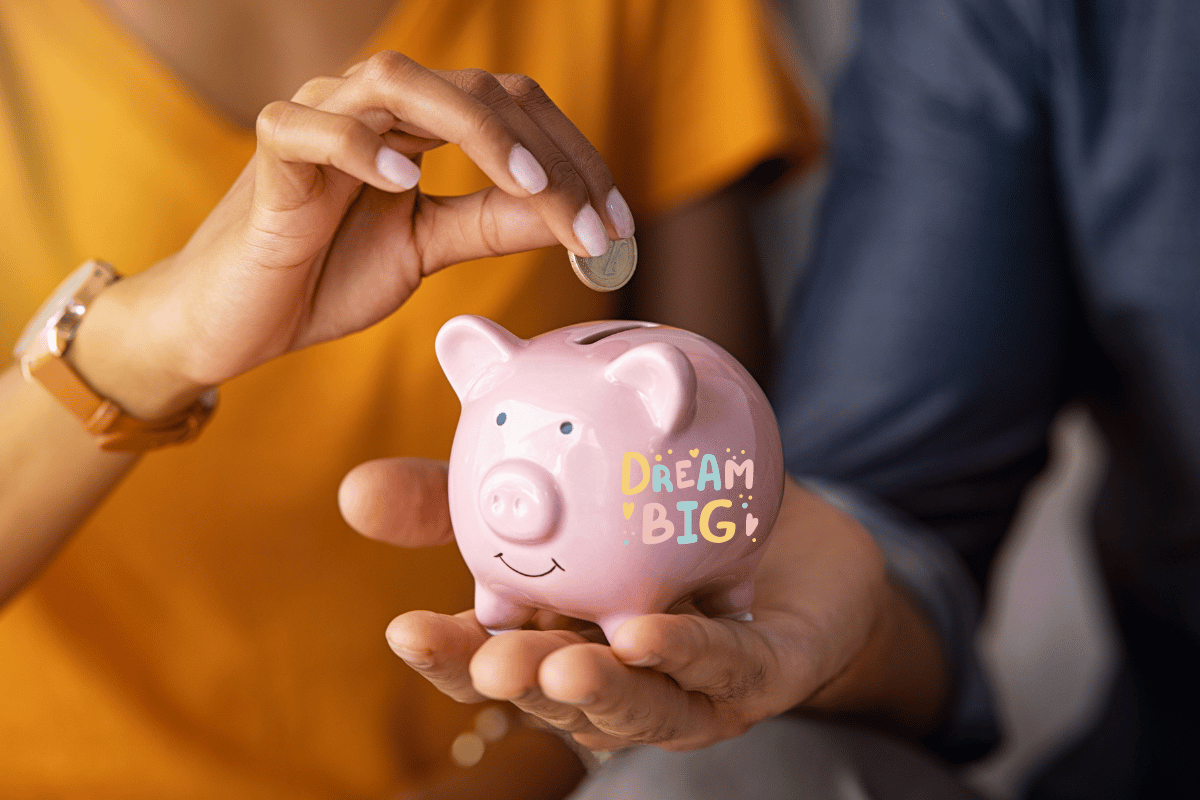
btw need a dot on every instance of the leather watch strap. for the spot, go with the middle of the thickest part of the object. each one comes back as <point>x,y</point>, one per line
<point>112,428</point>
<point>41,352</point>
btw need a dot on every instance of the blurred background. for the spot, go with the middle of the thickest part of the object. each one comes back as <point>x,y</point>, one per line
<point>1047,639</point>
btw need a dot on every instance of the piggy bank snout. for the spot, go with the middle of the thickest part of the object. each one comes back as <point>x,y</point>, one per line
<point>519,501</point>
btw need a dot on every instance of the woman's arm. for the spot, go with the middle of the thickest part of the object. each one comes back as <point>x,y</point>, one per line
<point>52,475</point>
<point>323,234</point>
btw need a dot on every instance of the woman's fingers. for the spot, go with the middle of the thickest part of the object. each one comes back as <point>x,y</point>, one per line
<point>486,223</point>
<point>365,123</point>
<point>472,109</point>
<point>420,101</point>
<point>401,501</point>
<point>538,106</point>
<point>315,91</point>
<point>540,163</point>
<point>408,140</point>
<point>440,647</point>
<point>310,167</point>
<point>295,133</point>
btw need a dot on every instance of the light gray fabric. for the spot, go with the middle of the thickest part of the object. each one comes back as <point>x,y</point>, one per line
<point>786,758</point>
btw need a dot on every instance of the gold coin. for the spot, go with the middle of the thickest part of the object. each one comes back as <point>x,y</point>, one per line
<point>610,271</point>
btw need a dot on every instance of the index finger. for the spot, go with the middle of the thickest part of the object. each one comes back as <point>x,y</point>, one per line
<point>559,129</point>
<point>578,177</point>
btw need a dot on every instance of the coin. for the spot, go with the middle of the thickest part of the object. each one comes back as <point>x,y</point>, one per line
<point>610,271</point>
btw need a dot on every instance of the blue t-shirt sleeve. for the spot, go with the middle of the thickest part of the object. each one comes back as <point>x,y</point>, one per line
<point>923,355</point>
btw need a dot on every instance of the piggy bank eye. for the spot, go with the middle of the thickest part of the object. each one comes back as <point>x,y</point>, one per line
<point>501,417</point>
<point>566,427</point>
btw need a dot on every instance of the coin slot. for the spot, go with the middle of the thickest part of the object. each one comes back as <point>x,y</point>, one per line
<point>604,333</point>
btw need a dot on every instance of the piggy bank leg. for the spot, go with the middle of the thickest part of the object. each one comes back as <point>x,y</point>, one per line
<point>733,602</point>
<point>497,613</point>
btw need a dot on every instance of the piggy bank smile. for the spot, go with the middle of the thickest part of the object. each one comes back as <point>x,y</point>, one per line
<point>555,566</point>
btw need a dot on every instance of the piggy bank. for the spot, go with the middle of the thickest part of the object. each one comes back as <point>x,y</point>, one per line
<point>607,470</point>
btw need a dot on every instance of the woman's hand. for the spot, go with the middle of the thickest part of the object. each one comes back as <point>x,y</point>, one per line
<point>830,632</point>
<point>325,233</point>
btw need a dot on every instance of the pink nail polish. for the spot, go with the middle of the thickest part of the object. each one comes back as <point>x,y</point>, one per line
<point>590,231</point>
<point>397,169</point>
<point>619,213</point>
<point>526,170</point>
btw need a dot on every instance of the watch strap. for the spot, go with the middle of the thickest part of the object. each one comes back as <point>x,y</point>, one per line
<point>112,428</point>
<point>42,351</point>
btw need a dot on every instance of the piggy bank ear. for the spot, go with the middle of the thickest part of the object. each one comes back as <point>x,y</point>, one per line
<point>467,346</point>
<point>664,380</point>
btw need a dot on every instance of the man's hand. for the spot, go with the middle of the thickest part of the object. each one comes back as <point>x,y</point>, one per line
<point>830,633</point>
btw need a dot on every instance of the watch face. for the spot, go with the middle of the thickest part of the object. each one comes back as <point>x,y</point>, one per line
<point>91,272</point>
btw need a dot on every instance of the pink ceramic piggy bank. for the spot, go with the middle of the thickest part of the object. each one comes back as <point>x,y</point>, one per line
<point>607,470</point>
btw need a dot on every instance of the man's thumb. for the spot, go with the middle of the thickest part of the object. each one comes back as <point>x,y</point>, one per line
<point>401,501</point>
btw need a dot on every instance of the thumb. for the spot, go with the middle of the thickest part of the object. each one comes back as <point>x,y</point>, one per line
<point>486,223</point>
<point>401,501</point>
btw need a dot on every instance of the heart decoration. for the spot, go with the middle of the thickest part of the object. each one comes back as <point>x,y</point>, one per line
<point>628,509</point>
<point>751,523</point>
<point>694,452</point>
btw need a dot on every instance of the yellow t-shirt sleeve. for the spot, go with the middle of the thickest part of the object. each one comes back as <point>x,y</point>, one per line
<point>722,94</point>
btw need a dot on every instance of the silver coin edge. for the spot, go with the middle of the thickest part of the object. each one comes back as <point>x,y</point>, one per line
<point>591,282</point>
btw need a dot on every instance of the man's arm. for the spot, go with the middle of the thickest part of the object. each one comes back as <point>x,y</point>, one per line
<point>924,354</point>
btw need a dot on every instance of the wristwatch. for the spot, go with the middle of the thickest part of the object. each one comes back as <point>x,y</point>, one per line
<point>45,342</point>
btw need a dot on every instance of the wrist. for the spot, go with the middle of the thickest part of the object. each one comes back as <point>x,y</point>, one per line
<point>898,679</point>
<point>886,663</point>
<point>121,354</point>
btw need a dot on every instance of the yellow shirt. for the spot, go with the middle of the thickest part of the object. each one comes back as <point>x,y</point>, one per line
<point>216,630</point>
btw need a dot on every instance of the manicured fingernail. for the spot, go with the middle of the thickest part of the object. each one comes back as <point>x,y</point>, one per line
<point>619,213</point>
<point>590,231</point>
<point>396,168</point>
<point>526,170</point>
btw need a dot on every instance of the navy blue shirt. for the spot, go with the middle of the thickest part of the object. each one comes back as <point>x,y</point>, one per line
<point>1012,224</point>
